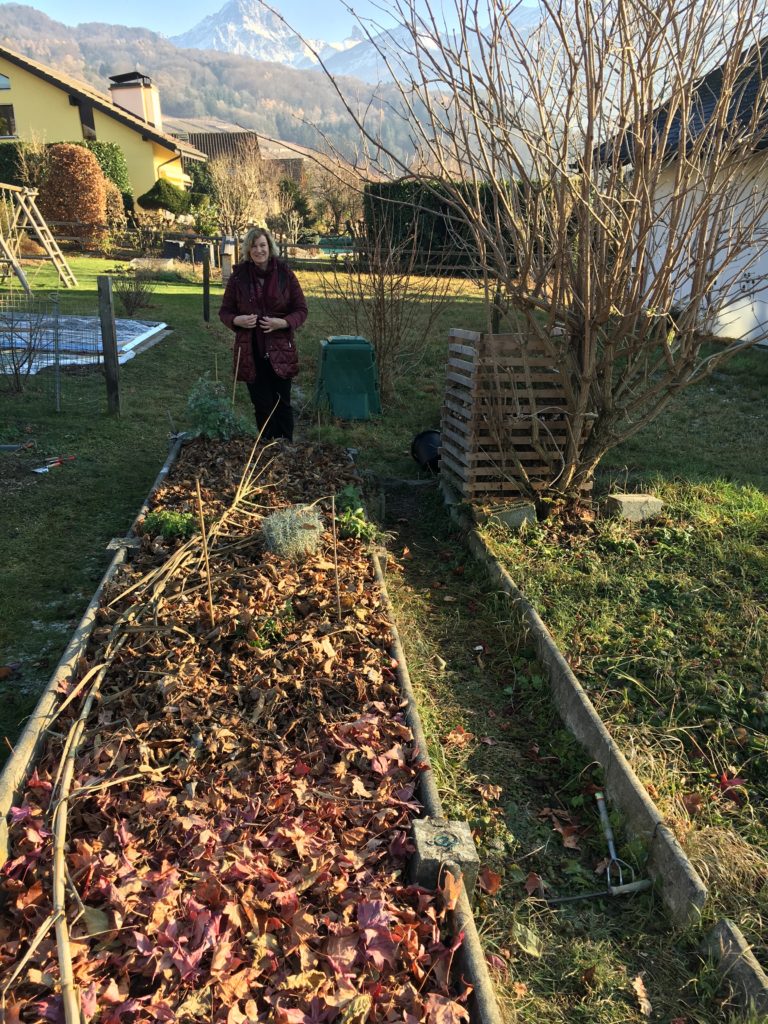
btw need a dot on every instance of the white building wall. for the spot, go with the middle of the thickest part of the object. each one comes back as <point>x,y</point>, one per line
<point>744,312</point>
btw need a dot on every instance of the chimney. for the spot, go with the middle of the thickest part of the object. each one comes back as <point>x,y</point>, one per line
<point>135,93</point>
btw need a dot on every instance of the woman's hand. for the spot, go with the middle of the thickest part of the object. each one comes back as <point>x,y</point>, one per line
<point>248,320</point>
<point>272,323</point>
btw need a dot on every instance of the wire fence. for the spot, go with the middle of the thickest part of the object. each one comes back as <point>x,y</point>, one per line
<point>51,348</point>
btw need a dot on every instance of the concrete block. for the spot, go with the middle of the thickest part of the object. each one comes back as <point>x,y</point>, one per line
<point>513,516</point>
<point>634,507</point>
<point>151,263</point>
<point>440,842</point>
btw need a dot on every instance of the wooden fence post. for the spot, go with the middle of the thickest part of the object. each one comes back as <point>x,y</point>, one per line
<point>207,284</point>
<point>109,344</point>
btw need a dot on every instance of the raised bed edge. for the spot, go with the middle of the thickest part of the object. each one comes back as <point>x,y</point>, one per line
<point>20,762</point>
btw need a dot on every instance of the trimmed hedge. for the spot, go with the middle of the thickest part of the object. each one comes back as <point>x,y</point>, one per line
<point>75,192</point>
<point>112,162</point>
<point>398,210</point>
<point>9,162</point>
<point>164,195</point>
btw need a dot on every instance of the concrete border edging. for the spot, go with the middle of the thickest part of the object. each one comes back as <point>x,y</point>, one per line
<point>472,958</point>
<point>682,889</point>
<point>20,762</point>
<point>739,965</point>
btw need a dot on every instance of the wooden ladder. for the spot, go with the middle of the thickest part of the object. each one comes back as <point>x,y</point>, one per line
<point>35,220</point>
<point>11,263</point>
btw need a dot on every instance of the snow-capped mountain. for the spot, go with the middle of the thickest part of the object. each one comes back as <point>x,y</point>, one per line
<point>246,28</point>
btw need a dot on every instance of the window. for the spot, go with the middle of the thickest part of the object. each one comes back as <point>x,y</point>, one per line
<point>5,82</point>
<point>7,120</point>
<point>87,123</point>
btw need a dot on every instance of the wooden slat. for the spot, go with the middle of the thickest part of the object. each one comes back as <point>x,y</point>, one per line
<point>456,378</point>
<point>462,366</point>
<point>455,349</point>
<point>456,332</point>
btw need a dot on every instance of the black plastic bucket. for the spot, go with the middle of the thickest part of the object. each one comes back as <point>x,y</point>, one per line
<point>425,448</point>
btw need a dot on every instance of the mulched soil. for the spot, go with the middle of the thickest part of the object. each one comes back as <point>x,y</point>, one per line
<point>241,794</point>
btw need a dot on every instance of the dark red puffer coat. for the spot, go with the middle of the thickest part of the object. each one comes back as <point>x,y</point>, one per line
<point>276,293</point>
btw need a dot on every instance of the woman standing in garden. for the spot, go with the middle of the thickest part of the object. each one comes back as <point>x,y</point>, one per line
<point>263,304</point>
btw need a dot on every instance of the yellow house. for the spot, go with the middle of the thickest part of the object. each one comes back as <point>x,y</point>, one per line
<point>37,102</point>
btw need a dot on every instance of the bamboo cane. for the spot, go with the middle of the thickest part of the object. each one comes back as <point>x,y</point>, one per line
<point>234,383</point>
<point>335,558</point>
<point>205,552</point>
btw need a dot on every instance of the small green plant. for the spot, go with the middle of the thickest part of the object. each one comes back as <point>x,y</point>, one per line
<point>349,497</point>
<point>293,532</point>
<point>211,413</point>
<point>352,522</point>
<point>169,525</point>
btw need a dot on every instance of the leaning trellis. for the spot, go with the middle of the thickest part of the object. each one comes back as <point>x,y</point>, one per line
<point>21,216</point>
<point>506,424</point>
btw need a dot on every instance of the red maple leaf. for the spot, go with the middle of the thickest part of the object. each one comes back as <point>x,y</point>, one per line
<point>733,788</point>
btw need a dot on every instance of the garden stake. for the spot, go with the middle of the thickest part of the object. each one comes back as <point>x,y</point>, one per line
<point>234,383</point>
<point>335,558</point>
<point>614,869</point>
<point>205,552</point>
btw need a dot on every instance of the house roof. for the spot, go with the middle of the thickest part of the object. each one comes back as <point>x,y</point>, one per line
<point>748,90</point>
<point>270,149</point>
<point>101,101</point>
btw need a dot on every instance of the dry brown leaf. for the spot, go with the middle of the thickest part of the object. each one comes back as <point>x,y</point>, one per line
<point>489,880</point>
<point>641,994</point>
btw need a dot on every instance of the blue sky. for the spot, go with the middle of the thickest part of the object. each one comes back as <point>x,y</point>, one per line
<point>325,20</point>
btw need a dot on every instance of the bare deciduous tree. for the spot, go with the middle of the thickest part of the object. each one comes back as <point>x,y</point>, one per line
<point>382,296</point>
<point>240,187</point>
<point>623,142</point>
<point>340,191</point>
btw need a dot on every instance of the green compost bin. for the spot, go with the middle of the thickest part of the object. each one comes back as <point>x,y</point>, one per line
<point>347,379</point>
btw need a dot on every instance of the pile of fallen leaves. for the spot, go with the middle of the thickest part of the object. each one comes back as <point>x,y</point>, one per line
<point>237,803</point>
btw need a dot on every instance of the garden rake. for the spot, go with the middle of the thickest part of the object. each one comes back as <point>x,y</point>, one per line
<point>617,871</point>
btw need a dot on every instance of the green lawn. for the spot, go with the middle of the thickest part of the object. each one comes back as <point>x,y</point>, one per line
<point>666,624</point>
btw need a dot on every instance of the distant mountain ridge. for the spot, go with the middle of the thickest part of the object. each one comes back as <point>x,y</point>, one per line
<point>284,102</point>
<point>246,27</point>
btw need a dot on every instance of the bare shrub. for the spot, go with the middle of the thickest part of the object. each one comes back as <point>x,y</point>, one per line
<point>134,288</point>
<point>381,295</point>
<point>239,187</point>
<point>621,145</point>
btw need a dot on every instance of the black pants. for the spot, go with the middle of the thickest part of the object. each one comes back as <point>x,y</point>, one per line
<point>271,397</point>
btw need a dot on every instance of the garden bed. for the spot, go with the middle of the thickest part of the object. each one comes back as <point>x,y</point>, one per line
<point>217,826</point>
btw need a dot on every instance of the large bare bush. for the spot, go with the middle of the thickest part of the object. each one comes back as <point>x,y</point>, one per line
<point>381,294</point>
<point>627,197</point>
<point>240,187</point>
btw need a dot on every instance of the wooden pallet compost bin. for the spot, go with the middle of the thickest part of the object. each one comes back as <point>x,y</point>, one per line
<point>504,403</point>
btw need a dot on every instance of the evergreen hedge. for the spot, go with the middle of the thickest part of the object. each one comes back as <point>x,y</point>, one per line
<point>9,162</point>
<point>112,162</point>
<point>398,210</point>
<point>164,195</point>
